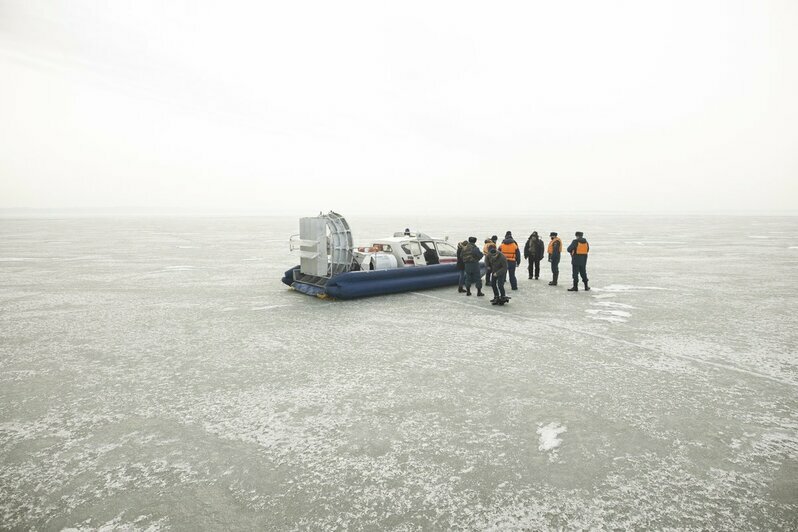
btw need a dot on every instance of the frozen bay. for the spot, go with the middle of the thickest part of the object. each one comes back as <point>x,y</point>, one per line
<point>155,374</point>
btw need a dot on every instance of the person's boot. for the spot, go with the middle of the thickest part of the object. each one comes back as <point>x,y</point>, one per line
<point>460,289</point>
<point>479,292</point>
<point>586,287</point>
<point>468,291</point>
<point>575,287</point>
<point>554,279</point>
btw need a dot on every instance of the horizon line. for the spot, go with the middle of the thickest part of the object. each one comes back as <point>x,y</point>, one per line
<point>6,212</point>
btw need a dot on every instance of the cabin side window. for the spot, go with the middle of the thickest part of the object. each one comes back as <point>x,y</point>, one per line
<point>381,247</point>
<point>446,250</point>
<point>412,248</point>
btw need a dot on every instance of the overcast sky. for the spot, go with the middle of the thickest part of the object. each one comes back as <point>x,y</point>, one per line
<point>377,107</point>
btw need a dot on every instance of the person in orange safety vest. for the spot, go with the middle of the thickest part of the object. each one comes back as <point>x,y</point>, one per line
<point>579,249</point>
<point>554,251</point>
<point>509,248</point>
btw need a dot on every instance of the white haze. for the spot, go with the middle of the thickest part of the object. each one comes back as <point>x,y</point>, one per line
<point>409,107</point>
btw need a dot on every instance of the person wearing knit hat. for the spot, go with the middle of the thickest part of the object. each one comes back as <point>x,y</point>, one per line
<point>554,250</point>
<point>579,249</point>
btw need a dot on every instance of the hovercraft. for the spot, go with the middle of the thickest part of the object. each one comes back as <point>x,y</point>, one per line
<point>331,266</point>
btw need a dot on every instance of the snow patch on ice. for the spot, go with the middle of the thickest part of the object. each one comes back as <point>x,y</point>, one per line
<point>603,296</point>
<point>612,304</point>
<point>143,522</point>
<point>187,247</point>
<point>654,242</point>
<point>16,259</point>
<point>548,436</point>
<point>81,258</point>
<point>792,247</point>
<point>629,288</point>
<point>615,316</point>
<point>183,268</point>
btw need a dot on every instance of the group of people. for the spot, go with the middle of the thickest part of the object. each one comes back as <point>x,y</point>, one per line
<point>502,260</point>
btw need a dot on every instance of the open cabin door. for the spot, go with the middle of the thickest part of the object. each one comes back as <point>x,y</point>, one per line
<point>414,250</point>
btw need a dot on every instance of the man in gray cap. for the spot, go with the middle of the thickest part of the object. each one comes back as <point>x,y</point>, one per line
<point>579,249</point>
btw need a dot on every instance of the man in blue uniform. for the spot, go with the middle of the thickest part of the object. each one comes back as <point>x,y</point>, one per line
<point>579,249</point>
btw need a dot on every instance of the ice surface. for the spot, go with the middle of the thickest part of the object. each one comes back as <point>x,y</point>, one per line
<point>155,374</point>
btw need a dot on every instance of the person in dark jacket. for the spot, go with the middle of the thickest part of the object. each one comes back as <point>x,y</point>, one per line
<point>498,265</point>
<point>471,255</point>
<point>579,249</point>
<point>485,248</point>
<point>509,247</point>
<point>554,251</point>
<point>461,266</point>
<point>431,256</point>
<point>533,252</point>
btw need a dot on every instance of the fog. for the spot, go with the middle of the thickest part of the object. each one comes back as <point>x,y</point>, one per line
<point>391,109</point>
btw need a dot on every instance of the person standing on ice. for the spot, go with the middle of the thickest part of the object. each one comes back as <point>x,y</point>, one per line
<point>461,266</point>
<point>485,249</point>
<point>533,252</point>
<point>509,247</point>
<point>579,249</point>
<point>554,251</point>
<point>498,265</point>
<point>471,256</point>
